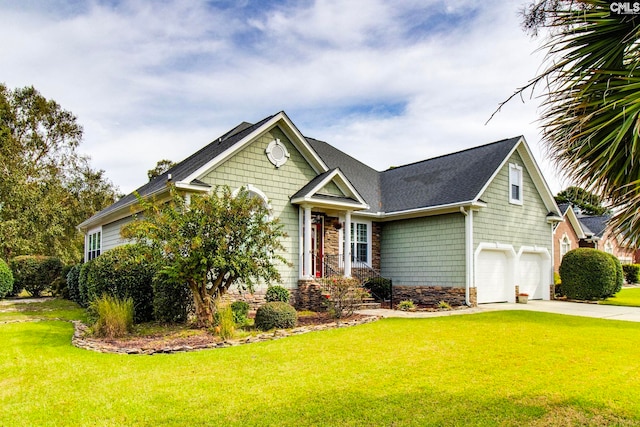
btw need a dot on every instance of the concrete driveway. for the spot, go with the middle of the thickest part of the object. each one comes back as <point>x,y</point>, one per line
<point>613,312</point>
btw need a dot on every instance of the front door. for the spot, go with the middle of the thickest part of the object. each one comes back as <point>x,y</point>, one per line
<point>317,245</point>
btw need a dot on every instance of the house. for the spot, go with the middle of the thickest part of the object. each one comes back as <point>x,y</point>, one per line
<point>603,238</point>
<point>568,234</point>
<point>587,231</point>
<point>467,227</point>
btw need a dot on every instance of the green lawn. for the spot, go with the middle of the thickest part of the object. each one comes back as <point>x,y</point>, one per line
<point>499,368</point>
<point>628,297</point>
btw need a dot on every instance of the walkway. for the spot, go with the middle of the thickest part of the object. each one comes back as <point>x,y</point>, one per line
<point>599,311</point>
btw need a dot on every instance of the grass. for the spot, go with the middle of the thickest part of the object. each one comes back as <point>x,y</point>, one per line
<point>498,368</point>
<point>627,297</point>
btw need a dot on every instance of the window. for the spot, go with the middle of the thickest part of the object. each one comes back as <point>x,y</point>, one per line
<point>565,245</point>
<point>515,184</point>
<point>608,248</point>
<point>360,242</point>
<point>93,245</point>
<point>277,153</point>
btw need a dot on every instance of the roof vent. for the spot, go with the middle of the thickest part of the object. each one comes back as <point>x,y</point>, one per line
<point>169,177</point>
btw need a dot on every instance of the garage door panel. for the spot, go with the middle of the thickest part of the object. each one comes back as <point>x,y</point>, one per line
<point>531,274</point>
<point>492,273</point>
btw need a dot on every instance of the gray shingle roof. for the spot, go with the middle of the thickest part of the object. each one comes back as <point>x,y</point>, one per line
<point>595,224</point>
<point>365,179</point>
<point>189,165</point>
<point>453,178</point>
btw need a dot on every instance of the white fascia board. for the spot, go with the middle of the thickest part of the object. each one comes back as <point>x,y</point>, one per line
<point>292,132</point>
<point>192,187</point>
<point>122,212</point>
<point>575,223</point>
<point>342,181</point>
<point>428,211</point>
<point>324,203</point>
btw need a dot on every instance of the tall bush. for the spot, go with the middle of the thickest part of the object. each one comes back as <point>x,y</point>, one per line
<point>171,298</point>
<point>619,276</point>
<point>631,273</point>
<point>6,279</point>
<point>35,273</point>
<point>73,283</point>
<point>588,274</point>
<point>124,272</point>
<point>83,297</point>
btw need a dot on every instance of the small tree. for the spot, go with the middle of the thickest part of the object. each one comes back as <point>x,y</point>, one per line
<point>212,243</point>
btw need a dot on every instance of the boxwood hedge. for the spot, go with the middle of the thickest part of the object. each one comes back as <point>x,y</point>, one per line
<point>124,272</point>
<point>589,274</point>
<point>276,314</point>
<point>6,279</point>
<point>34,273</point>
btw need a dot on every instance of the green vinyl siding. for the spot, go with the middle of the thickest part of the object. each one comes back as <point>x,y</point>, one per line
<point>111,234</point>
<point>503,222</point>
<point>331,189</point>
<point>424,251</point>
<point>251,166</point>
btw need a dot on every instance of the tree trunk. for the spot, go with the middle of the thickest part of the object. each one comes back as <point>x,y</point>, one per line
<point>204,309</point>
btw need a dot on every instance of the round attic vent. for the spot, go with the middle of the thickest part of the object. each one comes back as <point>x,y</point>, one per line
<point>277,153</point>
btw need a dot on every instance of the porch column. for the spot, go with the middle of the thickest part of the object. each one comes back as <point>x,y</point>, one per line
<point>347,244</point>
<point>307,242</point>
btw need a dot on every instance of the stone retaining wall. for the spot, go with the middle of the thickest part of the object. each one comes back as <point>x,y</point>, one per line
<point>309,296</point>
<point>430,295</point>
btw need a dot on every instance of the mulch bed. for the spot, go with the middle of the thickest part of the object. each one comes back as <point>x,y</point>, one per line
<point>176,339</point>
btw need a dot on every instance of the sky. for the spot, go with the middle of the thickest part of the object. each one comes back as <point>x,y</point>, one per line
<point>388,82</point>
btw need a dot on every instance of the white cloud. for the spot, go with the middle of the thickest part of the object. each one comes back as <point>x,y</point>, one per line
<point>388,82</point>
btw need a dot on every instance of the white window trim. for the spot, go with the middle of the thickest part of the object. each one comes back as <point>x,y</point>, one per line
<point>277,162</point>
<point>356,221</point>
<point>608,246</point>
<point>86,242</point>
<point>513,166</point>
<point>565,239</point>
<point>253,189</point>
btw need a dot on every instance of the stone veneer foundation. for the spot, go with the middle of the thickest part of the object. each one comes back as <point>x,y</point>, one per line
<point>432,295</point>
<point>309,296</point>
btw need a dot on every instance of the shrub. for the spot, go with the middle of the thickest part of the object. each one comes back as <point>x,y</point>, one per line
<point>114,316</point>
<point>73,283</point>
<point>406,305</point>
<point>240,312</point>
<point>379,287</point>
<point>276,314</point>
<point>34,273</point>
<point>588,274</point>
<point>631,273</point>
<point>619,276</point>
<point>225,326</point>
<point>6,279</point>
<point>345,295</point>
<point>60,287</point>
<point>171,298</point>
<point>124,272</point>
<point>443,305</point>
<point>83,297</point>
<point>277,293</point>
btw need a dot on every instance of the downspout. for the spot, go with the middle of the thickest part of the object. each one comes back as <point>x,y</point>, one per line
<point>468,241</point>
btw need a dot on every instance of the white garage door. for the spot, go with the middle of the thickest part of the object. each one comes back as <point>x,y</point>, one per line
<point>531,267</point>
<point>492,276</point>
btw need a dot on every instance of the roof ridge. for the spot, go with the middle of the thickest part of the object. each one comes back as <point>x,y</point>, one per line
<point>450,154</point>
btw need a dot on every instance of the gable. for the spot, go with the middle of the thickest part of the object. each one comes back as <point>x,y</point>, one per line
<point>502,221</point>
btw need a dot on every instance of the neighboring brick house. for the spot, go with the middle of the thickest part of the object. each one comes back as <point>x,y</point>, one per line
<point>603,238</point>
<point>587,231</point>
<point>567,235</point>
<point>467,227</point>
